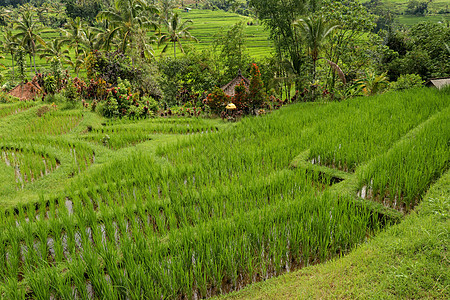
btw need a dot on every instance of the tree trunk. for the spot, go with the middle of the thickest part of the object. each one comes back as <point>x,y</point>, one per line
<point>34,62</point>
<point>34,58</point>
<point>313,89</point>
<point>12,60</point>
<point>174,50</point>
<point>31,65</point>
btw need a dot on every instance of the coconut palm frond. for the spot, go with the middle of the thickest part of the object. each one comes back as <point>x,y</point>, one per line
<point>337,69</point>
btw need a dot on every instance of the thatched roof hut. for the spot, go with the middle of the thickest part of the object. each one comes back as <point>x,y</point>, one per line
<point>438,82</point>
<point>229,87</point>
<point>26,91</point>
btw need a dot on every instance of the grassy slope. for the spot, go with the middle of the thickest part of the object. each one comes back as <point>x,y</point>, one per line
<point>408,260</point>
<point>399,6</point>
<point>207,23</point>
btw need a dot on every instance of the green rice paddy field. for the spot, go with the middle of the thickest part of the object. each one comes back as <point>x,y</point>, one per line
<point>174,208</point>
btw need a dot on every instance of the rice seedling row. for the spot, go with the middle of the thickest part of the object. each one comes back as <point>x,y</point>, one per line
<point>399,177</point>
<point>254,247</point>
<point>54,123</point>
<point>28,166</point>
<point>15,108</point>
<point>371,126</point>
<point>208,214</point>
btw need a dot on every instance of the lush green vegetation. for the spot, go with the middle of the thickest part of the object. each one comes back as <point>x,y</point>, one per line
<point>119,180</point>
<point>110,202</point>
<point>407,260</point>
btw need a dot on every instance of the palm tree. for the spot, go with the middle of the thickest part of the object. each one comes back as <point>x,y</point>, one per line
<point>55,50</point>
<point>28,33</point>
<point>75,36</point>
<point>127,20</point>
<point>165,8</point>
<point>315,33</point>
<point>10,46</point>
<point>5,16</point>
<point>176,31</point>
<point>94,40</point>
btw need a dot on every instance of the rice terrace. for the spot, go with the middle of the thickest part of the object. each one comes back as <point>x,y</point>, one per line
<point>226,149</point>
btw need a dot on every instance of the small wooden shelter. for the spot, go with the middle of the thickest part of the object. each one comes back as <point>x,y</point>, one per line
<point>438,82</point>
<point>229,87</point>
<point>26,91</point>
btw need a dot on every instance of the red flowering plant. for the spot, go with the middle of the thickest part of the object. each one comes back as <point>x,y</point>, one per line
<point>122,102</point>
<point>256,94</point>
<point>217,100</point>
<point>241,97</point>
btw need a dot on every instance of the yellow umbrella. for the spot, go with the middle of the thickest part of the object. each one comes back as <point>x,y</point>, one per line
<point>230,106</point>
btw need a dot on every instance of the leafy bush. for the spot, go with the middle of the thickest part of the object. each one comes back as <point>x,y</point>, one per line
<point>70,91</point>
<point>110,66</point>
<point>121,102</point>
<point>407,81</point>
<point>185,78</point>
<point>50,86</point>
<point>217,100</point>
<point>55,98</point>
<point>151,104</point>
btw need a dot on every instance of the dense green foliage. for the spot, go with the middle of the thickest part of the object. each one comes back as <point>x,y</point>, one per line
<point>122,183</point>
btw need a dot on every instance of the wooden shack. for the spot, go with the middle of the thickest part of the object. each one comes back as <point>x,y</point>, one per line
<point>438,82</point>
<point>26,91</point>
<point>229,87</point>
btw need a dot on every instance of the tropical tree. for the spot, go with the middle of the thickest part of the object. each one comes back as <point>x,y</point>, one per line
<point>353,44</point>
<point>177,30</point>
<point>28,34</point>
<point>10,46</point>
<point>94,38</point>
<point>127,20</point>
<point>165,8</point>
<point>5,15</point>
<point>278,16</point>
<point>55,49</point>
<point>74,34</point>
<point>315,33</point>
<point>75,37</point>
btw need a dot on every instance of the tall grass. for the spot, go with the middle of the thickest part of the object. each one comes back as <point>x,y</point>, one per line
<point>212,212</point>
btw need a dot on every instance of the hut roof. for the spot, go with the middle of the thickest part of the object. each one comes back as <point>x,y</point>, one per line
<point>26,91</point>
<point>229,87</point>
<point>438,82</point>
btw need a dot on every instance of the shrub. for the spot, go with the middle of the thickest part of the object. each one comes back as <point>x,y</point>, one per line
<point>50,84</point>
<point>110,66</point>
<point>407,81</point>
<point>121,102</point>
<point>241,97</point>
<point>70,91</point>
<point>151,104</point>
<point>256,93</point>
<point>108,108</point>
<point>217,100</point>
